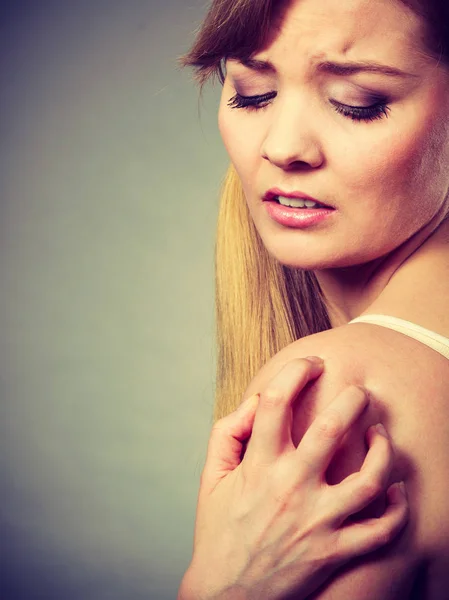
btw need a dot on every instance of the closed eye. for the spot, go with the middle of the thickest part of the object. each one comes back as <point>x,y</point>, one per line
<point>362,113</point>
<point>356,113</point>
<point>258,101</point>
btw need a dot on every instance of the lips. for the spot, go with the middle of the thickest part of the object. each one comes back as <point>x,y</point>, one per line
<point>274,193</point>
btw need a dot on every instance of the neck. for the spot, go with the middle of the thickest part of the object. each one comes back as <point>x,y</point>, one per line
<point>350,291</point>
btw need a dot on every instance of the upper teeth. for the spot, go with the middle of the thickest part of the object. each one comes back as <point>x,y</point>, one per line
<point>296,202</point>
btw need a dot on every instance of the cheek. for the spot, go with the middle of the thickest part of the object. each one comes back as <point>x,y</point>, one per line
<point>384,166</point>
<point>241,138</point>
<point>418,168</point>
<point>429,170</point>
<point>400,164</point>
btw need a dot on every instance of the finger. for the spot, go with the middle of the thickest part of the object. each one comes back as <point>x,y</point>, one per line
<point>272,425</point>
<point>321,440</point>
<point>358,490</point>
<point>369,535</point>
<point>226,442</point>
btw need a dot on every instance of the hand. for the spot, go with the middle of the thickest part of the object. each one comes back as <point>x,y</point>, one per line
<point>268,524</point>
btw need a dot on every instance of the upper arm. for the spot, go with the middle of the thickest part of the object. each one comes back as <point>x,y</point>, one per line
<point>407,384</point>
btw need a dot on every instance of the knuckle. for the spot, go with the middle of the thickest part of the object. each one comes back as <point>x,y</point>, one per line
<point>301,368</point>
<point>296,368</point>
<point>334,551</point>
<point>220,429</point>
<point>284,479</point>
<point>272,398</point>
<point>329,552</point>
<point>370,488</point>
<point>219,426</point>
<point>383,535</point>
<point>301,365</point>
<point>330,424</point>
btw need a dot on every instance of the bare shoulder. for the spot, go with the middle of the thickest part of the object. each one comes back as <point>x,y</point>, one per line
<point>409,387</point>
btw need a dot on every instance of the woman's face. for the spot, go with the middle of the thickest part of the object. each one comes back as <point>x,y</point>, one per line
<point>384,176</point>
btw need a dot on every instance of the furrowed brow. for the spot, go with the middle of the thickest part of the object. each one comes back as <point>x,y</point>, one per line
<point>258,65</point>
<point>350,68</point>
<point>335,68</point>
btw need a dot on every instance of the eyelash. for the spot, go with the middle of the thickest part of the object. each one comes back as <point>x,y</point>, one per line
<point>356,113</point>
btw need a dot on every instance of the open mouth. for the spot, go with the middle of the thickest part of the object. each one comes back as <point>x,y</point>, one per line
<point>296,200</point>
<point>295,211</point>
<point>299,203</point>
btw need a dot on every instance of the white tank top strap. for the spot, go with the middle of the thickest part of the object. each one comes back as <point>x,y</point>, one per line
<point>425,336</point>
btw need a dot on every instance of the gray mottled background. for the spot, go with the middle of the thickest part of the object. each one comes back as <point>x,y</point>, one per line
<point>109,181</point>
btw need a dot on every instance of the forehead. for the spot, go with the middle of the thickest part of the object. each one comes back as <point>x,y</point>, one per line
<point>306,30</point>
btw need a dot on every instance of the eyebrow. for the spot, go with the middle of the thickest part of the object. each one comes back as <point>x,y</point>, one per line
<point>335,68</point>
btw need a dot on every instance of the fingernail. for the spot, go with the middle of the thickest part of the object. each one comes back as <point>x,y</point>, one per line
<point>402,488</point>
<point>381,429</point>
<point>315,359</point>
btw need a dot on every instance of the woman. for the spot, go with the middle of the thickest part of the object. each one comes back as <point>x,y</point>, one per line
<point>333,229</point>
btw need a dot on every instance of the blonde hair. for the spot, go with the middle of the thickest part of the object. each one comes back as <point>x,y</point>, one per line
<point>261,306</point>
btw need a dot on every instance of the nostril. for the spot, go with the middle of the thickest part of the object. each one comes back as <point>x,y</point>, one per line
<point>293,160</point>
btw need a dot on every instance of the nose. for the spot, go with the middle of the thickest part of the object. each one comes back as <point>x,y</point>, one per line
<point>292,140</point>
